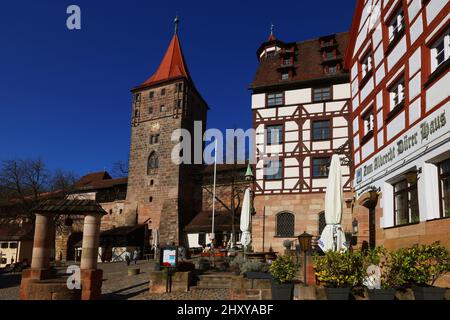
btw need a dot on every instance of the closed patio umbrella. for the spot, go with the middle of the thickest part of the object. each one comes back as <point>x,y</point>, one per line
<point>245,219</point>
<point>333,238</point>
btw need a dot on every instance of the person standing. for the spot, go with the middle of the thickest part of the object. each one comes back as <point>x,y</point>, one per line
<point>127,257</point>
<point>135,256</point>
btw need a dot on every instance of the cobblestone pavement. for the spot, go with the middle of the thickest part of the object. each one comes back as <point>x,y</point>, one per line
<point>118,285</point>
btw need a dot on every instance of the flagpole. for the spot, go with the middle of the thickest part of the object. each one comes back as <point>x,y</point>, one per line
<point>214,194</point>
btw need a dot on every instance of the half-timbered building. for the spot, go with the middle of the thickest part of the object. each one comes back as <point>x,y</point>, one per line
<point>300,104</point>
<point>398,58</point>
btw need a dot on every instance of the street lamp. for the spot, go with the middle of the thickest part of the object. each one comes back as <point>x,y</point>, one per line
<point>305,240</point>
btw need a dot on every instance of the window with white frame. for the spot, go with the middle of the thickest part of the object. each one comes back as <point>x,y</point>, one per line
<point>397,94</point>
<point>396,26</point>
<point>285,76</point>
<point>366,64</point>
<point>440,51</point>
<point>368,119</point>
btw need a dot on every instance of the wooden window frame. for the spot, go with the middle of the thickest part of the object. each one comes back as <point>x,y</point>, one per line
<point>392,43</point>
<point>322,100</point>
<point>280,135</point>
<point>330,129</point>
<point>395,110</point>
<point>406,190</point>
<point>270,178</point>
<point>312,166</point>
<point>277,231</point>
<point>275,93</point>
<point>369,135</point>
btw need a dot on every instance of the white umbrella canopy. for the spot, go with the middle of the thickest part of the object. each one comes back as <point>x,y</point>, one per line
<point>333,238</point>
<point>245,219</point>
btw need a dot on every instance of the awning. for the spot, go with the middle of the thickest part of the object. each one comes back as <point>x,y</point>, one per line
<point>202,222</point>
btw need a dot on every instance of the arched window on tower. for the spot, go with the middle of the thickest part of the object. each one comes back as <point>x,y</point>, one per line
<point>153,162</point>
<point>285,223</point>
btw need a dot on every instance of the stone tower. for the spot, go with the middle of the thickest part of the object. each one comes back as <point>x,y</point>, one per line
<point>160,192</point>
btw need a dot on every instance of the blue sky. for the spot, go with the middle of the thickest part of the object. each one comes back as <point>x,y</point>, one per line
<point>65,95</point>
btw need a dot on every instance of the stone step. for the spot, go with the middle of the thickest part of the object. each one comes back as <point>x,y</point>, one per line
<point>208,287</point>
<point>216,284</point>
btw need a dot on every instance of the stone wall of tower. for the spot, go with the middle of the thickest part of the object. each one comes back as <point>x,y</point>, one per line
<point>166,195</point>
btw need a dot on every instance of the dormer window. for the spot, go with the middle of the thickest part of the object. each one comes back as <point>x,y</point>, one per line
<point>396,26</point>
<point>270,54</point>
<point>331,69</point>
<point>285,76</point>
<point>286,62</point>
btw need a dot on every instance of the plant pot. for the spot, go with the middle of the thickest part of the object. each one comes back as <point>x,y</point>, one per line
<point>381,294</point>
<point>337,293</point>
<point>282,291</point>
<point>428,293</point>
<point>257,275</point>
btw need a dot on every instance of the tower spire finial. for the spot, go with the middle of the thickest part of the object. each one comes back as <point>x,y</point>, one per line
<point>176,21</point>
<point>271,29</point>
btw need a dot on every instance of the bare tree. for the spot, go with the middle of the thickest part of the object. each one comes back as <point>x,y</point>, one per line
<point>24,183</point>
<point>120,169</point>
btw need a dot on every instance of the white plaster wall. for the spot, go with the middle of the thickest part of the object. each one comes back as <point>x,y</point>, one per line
<point>291,136</point>
<point>286,111</point>
<point>433,9</point>
<point>357,158</point>
<point>314,108</point>
<point>290,183</point>
<point>321,145</point>
<point>378,56</point>
<point>319,183</point>
<point>414,111</point>
<point>414,8</point>
<point>341,91</point>
<point>415,62</point>
<point>291,172</point>
<point>340,132</point>
<point>438,92</point>
<point>258,101</point>
<point>414,86</point>
<point>272,185</point>
<point>298,96</point>
<point>380,100</point>
<point>268,113</point>
<point>356,141</point>
<point>291,125</point>
<point>379,75</point>
<point>367,149</point>
<point>367,89</point>
<point>387,220</point>
<point>355,125</point>
<point>355,102</point>
<point>379,119</point>
<point>398,52</point>
<point>339,121</point>
<point>290,162</point>
<point>377,36</point>
<point>416,30</point>
<point>396,125</point>
<point>355,87</point>
<point>289,147</point>
<point>334,106</point>
<point>354,71</point>
<point>380,137</point>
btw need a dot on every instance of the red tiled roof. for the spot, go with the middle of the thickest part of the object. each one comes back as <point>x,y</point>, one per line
<point>99,180</point>
<point>308,62</point>
<point>172,65</point>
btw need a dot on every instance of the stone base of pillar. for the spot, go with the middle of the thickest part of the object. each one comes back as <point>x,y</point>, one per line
<point>91,284</point>
<point>29,276</point>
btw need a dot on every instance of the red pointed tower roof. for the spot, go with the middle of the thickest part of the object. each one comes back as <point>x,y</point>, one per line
<point>172,65</point>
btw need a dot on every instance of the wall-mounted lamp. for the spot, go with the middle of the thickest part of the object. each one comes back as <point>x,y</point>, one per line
<point>355,226</point>
<point>412,176</point>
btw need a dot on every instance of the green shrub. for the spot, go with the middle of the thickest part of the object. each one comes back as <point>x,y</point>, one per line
<point>253,265</point>
<point>381,258</point>
<point>339,269</point>
<point>236,263</point>
<point>420,265</point>
<point>283,269</point>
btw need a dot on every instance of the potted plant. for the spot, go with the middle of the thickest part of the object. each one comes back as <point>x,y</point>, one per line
<point>255,269</point>
<point>378,278</point>
<point>236,264</point>
<point>283,271</point>
<point>419,266</point>
<point>339,271</point>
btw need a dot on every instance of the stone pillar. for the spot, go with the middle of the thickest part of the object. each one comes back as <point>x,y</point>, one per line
<point>91,239</point>
<point>41,245</point>
<point>40,260</point>
<point>91,277</point>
